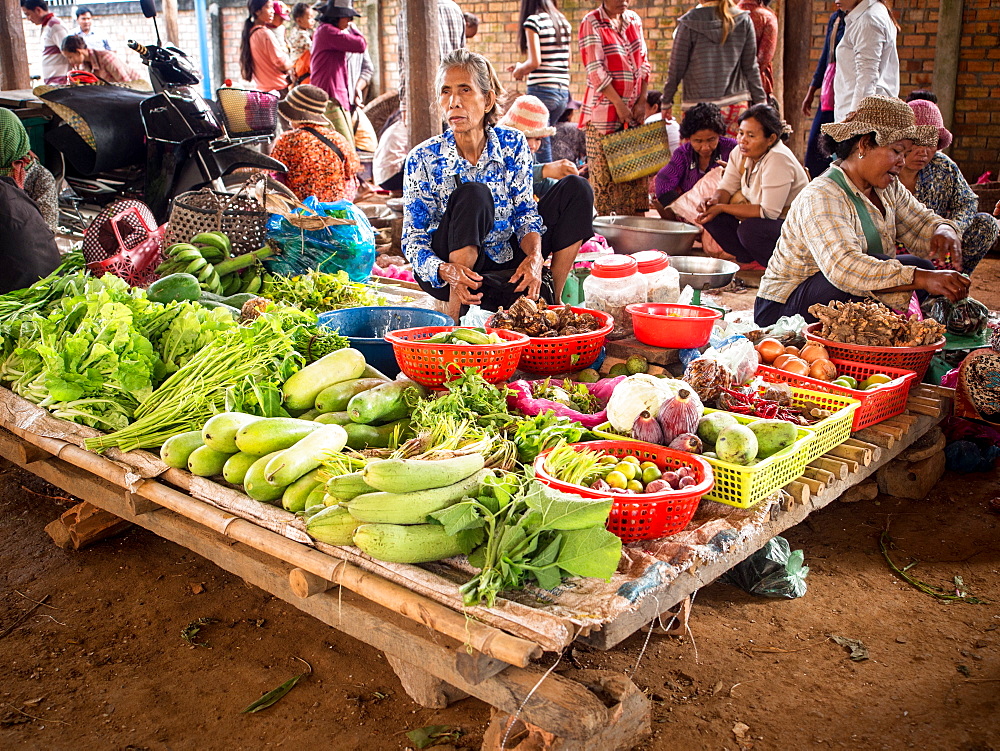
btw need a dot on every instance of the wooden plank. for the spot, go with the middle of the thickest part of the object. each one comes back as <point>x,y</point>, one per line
<point>830,464</point>
<point>854,453</point>
<point>306,584</point>
<point>425,689</point>
<point>624,348</point>
<point>139,505</point>
<point>706,572</point>
<point>823,475</point>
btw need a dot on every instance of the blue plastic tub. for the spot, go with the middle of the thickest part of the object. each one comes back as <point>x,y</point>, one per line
<point>366,327</point>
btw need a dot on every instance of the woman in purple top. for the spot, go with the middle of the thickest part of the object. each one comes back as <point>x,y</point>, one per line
<point>705,146</point>
<point>334,37</point>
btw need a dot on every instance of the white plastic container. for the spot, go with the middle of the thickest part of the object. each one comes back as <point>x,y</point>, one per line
<point>663,282</point>
<point>615,283</point>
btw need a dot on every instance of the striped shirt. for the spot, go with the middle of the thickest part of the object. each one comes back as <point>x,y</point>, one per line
<point>554,67</point>
<point>611,58</point>
<point>823,233</point>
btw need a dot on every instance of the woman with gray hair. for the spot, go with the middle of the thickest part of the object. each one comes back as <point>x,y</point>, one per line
<point>471,226</point>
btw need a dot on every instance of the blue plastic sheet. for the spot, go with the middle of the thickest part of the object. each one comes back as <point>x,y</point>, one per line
<point>343,247</point>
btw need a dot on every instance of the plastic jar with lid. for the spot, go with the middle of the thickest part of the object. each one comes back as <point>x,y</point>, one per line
<point>613,284</point>
<point>663,283</point>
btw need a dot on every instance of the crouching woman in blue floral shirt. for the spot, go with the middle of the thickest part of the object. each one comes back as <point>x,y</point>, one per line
<point>471,226</point>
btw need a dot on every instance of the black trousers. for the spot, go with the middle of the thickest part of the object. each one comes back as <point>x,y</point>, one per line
<point>819,289</point>
<point>748,240</point>
<point>567,211</point>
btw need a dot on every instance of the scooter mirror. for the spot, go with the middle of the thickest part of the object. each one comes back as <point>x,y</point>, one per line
<point>148,8</point>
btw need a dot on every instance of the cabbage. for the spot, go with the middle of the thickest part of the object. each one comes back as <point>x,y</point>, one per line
<point>637,393</point>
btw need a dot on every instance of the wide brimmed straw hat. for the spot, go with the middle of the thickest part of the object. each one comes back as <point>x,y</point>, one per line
<point>305,104</point>
<point>927,113</point>
<point>888,118</point>
<point>530,116</point>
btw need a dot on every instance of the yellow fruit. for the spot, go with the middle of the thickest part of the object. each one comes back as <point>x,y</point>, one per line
<point>635,486</point>
<point>847,381</point>
<point>628,469</point>
<point>877,379</point>
<point>608,459</point>
<point>616,480</point>
<point>646,465</point>
<point>631,460</point>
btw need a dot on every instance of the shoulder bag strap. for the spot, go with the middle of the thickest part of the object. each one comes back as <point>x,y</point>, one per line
<point>328,142</point>
<point>872,237</point>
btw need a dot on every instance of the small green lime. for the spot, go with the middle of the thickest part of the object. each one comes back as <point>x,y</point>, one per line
<point>628,469</point>
<point>651,473</point>
<point>647,465</point>
<point>636,486</point>
<point>616,480</point>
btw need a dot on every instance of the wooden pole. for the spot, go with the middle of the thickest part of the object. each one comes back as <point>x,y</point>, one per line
<point>420,24</point>
<point>13,52</point>
<point>947,49</point>
<point>796,70</point>
<point>170,16</point>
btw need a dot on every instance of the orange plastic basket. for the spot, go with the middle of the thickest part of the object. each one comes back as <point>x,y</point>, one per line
<point>877,404</point>
<point>562,354</point>
<point>917,359</point>
<point>646,516</point>
<point>432,365</point>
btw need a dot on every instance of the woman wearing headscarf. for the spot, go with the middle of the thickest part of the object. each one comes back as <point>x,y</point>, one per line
<point>938,184</point>
<point>20,164</point>
<point>838,241</point>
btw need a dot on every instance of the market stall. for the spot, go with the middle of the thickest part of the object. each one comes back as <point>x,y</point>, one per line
<point>504,496</point>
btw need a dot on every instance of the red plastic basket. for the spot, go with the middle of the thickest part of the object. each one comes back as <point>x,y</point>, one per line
<point>646,516</point>
<point>671,325</point>
<point>432,365</point>
<point>878,404</point>
<point>917,359</point>
<point>562,354</point>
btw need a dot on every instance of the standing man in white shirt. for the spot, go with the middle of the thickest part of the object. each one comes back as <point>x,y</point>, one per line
<point>55,67</point>
<point>867,62</point>
<point>85,30</point>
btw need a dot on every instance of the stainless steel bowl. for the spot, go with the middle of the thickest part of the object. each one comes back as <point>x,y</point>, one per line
<point>628,234</point>
<point>704,273</point>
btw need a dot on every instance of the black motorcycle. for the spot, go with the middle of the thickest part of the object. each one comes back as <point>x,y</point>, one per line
<point>157,146</point>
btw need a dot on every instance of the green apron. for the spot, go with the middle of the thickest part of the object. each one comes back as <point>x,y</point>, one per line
<point>872,238</point>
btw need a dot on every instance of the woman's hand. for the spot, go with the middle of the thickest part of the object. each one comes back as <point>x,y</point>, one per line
<point>558,169</point>
<point>945,242</point>
<point>639,110</point>
<point>710,212</point>
<point>517,72</point>
<point>708,203</point>
<point>951,284</point>
<point>807,103</point>
<point>463,281</point>
<point>528,275</point>
<point>624,113</point>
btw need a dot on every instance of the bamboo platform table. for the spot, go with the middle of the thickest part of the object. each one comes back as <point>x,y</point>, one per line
<point>440,654</point>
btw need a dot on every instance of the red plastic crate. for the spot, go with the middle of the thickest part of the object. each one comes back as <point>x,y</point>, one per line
<point>917,359</point>
<point>646,516</point>
<point>878,404</point>
<point>432,365</point>
<point>561,354</point>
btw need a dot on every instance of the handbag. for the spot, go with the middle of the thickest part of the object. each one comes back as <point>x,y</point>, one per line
<point>636,152</point>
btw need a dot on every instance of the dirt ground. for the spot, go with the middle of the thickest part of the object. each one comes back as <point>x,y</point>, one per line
<point>103,664</point>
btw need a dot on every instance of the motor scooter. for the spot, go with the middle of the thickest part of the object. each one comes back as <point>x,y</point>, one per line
<point>163,144</point>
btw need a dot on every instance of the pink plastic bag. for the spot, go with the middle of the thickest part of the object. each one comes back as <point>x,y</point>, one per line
<point>520,398</point>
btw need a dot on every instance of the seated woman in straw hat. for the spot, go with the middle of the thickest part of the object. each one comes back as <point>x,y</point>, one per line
<point>471,226</point>
<point>320,161</point>
<point>839,239</point>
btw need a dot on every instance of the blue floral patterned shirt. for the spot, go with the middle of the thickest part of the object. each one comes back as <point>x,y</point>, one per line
<point>433,170</point>
<point>942,188</point>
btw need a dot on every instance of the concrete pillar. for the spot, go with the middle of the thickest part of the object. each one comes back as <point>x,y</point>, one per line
<point>947,48</point>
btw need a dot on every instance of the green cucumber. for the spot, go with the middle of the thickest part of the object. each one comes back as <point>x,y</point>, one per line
<point>207,462</point>
<point>220,431</point>
<point>415,543</point>
<point>346,487</point>
<point>235,469</point>
<point>256,486</point>
<point>374,436</point>
<point>295,495</point>
<point>407,475</point>
<point>315,498</point>
<point>384,403</point>
<point>336,397</point>
<point>175,450</point>
<point>174,287</point>
<point>302,388</point>
<point>333,525</point>
<point>306,455</point>
<point>333,418</point>
<point>272,434</point>
<point>413,508</point>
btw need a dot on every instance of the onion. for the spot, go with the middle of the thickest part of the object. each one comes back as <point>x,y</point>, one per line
<point>813,352</point>
<point>823,369</point>
<point>769,349</point>
<point>792,350</point>
<point>797,367</point>
<point>782,359</point>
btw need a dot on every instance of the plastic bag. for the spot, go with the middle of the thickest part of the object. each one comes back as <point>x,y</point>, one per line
<point>519,397</point>
<point>342,247</point>
<point>773,571</point>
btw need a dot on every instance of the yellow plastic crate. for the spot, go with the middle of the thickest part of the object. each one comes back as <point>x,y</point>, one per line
<point>830,431</point>
<point>743,487</point>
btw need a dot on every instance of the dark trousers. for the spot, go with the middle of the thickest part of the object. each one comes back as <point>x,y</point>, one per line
<point>819,289</point>
<point>816,160</point>
<point>748,239</point>
<point>566,209</point>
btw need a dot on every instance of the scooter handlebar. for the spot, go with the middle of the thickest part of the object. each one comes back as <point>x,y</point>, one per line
<point>134,45</point>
